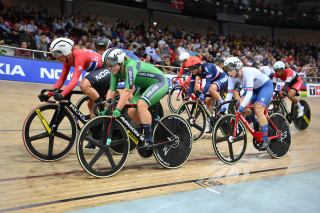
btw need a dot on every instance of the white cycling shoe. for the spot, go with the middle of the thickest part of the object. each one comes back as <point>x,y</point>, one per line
<point>300,112</point>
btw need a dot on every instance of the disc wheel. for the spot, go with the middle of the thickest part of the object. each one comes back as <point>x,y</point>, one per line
<point>279,147</point>
<point>47,146</point>
<point>175,98</point>
<point>101,162</point>
<point>195,115</point>
<point>228,149</point>
<point>303,122</point>
<point>175,154</point>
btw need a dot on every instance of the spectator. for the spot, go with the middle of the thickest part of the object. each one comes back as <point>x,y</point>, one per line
<point>42,45</point>
<point>23,53</point>
<point>193,51</point>
<point>157,57</point>
<point>150,50</point>
<point>166,65</point>
<point>148,59</point>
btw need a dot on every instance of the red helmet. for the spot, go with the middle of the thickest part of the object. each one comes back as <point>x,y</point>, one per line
<point>193,62</point>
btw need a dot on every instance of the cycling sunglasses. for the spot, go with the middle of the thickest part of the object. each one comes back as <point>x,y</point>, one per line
<point>57,54</point>
<point>278,70</point>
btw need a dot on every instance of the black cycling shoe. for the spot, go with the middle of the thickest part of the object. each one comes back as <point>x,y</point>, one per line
<point>264,144</point>
<point>145,144</point>
<point>90,146</point>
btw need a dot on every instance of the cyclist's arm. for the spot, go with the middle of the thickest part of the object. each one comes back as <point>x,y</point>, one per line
<point>74,80</point>
<point>124,97</point>
<point>64,74</point>
<point>274,81</point>
<point>249,90</point>
<point>180,73</point>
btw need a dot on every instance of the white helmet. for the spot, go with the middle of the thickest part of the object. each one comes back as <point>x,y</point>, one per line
<point>184,56</point>
<point>278,65</point>
<point>113,56</point>
<point>61,46</point>
<point>232,63</point>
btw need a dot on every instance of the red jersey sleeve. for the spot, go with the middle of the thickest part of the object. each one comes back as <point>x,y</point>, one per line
<point>64,74</point>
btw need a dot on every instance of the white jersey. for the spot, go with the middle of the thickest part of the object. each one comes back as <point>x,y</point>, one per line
<point>252,78</point>
<point>267,70</point>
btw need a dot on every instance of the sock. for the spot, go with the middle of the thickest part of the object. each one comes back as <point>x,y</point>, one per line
<point>221,100</point>
<point>264,130</point>
<point>147,131</point>
<point>299,105</point>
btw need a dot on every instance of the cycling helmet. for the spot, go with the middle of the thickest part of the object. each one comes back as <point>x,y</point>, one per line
<point>112,57</point>
<point>278,66</point>
<point>255,64</point>
<point>102,41</point>
<point>193,62</point>
<point>184,56</point>
<point>232,63</point>
<point>220,59</point>
<point>60,47</point>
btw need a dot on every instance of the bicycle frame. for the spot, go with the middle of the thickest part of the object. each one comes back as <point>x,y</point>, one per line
<point>257,135</point>
<point>185,88</point>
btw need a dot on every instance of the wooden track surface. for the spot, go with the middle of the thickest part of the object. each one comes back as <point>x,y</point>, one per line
<point>30,185</point>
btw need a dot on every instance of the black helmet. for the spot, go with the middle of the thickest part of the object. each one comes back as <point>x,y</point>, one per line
<point>220,59</point>
<point>255,64</point>
<point>102,41</point>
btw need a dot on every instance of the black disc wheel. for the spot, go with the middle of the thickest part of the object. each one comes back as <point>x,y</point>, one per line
<point>101,162</point>
<point>279,147</point>
<point>195,115</point>
<point>229,149</point>
<point>303,122</point>
<point>38,137</point>
<point>175,98</point>
<point>172,155</point>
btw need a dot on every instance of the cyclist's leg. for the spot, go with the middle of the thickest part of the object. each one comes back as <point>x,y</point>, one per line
<point>133,112</point>
<point>95,85</point>
<point>293,90</point>
<point>264,97</point>
<point>196,85</point>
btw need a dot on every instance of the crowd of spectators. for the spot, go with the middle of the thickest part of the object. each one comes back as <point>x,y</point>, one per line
<point>35,28</point>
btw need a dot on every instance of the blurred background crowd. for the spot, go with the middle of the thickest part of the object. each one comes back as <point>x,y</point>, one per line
<point>35,28</point>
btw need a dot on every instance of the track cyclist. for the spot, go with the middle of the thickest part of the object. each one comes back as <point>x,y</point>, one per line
<point>259,90</point>
<point>95,84</point>
<point>215,80</point>
<point>292,86</point>
<point>152,85</point>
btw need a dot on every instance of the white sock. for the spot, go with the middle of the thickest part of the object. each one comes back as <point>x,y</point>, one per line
<point>299,105</point>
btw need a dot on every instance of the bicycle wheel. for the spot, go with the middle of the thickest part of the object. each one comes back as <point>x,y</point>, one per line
<point>37,139</point>
<point>176,154</point>
<point>82,106</point>
<point>175,98</point>
<point>195,115</point>
<point>228,149</point>
<point>275,106</point>
<point>101,162</point>
<point>279,147</point>
<point>303,122</point>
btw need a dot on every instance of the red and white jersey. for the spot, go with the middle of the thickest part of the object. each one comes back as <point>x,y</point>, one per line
<point>84,59</point>
<point>288,76</point>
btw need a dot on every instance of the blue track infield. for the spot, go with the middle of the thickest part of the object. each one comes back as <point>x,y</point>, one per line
<point>285,194</point>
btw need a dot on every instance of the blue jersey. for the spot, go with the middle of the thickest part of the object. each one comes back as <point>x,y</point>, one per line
<point>210,73</point>
<point>129,54</point>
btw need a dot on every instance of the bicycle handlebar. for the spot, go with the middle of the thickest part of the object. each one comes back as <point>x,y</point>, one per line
<point>237,102</point>
<point>111,102</point>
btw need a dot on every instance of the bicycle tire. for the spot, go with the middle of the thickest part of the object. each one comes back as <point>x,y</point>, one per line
<point>79,105</point>
<point>176,154</point>
<point>303,122</point>
<point>224,146</point>
<point>279,147</point>
<point>197,120</point>
<point>94,161</point>
<point>175,98</point>
<point>275,106</point>
<point>35,135</point>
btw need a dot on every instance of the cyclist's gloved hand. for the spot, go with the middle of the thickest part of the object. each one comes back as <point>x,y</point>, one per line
<point>202,97</point>
<point>222,110</point>
<point>116,112</point>
<point>43,97</point>
<point>57,96</point>
<point>241,109</point>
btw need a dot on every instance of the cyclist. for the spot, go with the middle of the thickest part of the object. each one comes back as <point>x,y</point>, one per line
<point>95,84</point>
<point>151,82</point>
<point>259,90</point>
<point>215,80</point>
<point>268,71</point>
<point>292,86</point>
<point>103,43</point>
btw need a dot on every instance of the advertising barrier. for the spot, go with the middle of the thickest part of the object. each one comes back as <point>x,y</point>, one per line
<point>38,71</point>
